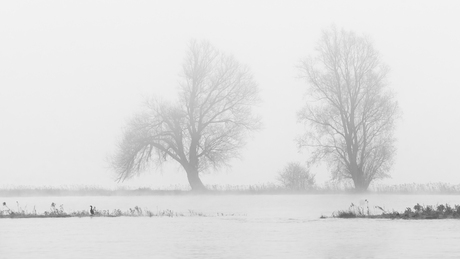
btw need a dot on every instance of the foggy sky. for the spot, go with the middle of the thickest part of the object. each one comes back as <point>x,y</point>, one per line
<point>73,72</point>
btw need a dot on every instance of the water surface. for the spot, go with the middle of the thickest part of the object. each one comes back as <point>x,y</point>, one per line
<point>259,226</point>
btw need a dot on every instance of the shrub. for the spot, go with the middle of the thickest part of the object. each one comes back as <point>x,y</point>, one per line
<point>296,177</point>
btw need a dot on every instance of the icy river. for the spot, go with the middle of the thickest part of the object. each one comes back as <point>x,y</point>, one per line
<point>252,226</point>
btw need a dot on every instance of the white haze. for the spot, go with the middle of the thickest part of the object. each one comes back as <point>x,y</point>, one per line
<point>73,72</point>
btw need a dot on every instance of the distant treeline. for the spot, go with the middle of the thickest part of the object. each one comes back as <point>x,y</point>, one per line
<point>328,188</point>
<point>84,191</point>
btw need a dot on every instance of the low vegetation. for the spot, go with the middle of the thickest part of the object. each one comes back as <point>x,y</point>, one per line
<point>440,211</point>
<point>59,212</point>
<point>414,188</point>
<point>267,188</point>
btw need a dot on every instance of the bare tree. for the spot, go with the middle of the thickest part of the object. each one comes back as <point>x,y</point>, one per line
<point>204,129</point>
<point>350,109</point>
<point>296,177</point>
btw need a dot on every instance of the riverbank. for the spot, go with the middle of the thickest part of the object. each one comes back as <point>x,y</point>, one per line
<point>59,212</point>
<point>439,211</point>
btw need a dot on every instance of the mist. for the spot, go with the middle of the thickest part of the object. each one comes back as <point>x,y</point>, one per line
<point>72,74</point>
<point>229,129</point>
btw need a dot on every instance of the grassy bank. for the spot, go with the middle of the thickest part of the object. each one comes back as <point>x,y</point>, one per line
<point>59,212</point>
<point>440,211</point>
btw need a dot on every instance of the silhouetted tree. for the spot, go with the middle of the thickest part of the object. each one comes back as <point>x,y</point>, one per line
<point>296,177</point>
<point>350,109</point>
<point>207,125</point>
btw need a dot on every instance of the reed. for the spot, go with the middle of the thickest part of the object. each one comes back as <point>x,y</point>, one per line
<point>59,212</point>
<point>417,188</point>
<point>439,211</point>
<point>266,188</point>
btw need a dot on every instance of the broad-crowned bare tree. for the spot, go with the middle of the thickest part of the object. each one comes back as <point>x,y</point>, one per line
<point>204,129</point>
<point>350,111</point>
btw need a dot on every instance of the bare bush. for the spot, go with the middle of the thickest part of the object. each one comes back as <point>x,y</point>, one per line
<point>296,177</point>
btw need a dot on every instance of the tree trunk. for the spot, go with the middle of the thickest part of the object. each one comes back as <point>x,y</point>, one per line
<point>359,178</point>
<point>194,179</point>
<point>361,184</point>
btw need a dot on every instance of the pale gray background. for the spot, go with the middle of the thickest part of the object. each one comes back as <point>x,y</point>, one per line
<point>73,72</point>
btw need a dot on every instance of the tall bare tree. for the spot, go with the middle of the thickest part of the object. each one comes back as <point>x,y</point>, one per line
<point>350,110</point>
<point>204,129</point>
